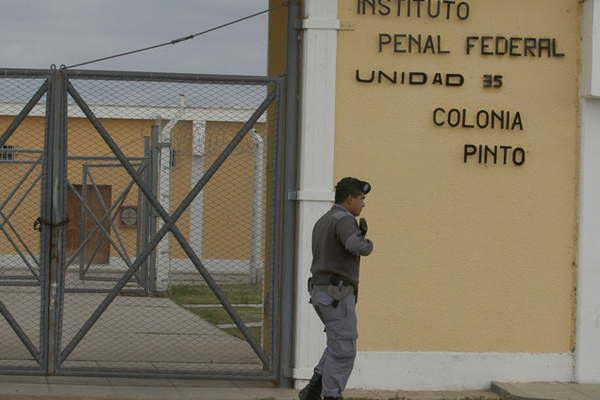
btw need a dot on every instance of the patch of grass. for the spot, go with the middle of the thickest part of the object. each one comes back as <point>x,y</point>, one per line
<point>235,293</point>
<point>254,332</point>
<point>218,316</point>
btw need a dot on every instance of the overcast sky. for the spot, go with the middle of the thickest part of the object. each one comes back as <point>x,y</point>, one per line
<point>35,34</point>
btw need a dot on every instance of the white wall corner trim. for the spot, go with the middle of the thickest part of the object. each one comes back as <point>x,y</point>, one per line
<point>452,370</point>
<point>313,195</point>
<point>321,23</point>
<point>316,150</point>
<point>587,349</point>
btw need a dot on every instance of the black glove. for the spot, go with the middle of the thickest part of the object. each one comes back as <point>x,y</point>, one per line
<point>362,225</point>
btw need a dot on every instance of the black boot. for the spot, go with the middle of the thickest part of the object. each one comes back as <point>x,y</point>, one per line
<point>312,391</point>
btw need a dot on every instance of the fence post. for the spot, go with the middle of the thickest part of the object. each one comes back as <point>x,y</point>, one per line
<point>82,223</point>
<point>151,213</point>
<point>55,150</point>
<point>197,206</point>
<point>142,220</point>
<point>256,233</point>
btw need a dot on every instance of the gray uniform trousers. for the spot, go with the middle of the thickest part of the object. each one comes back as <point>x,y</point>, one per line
<point>337,360</point>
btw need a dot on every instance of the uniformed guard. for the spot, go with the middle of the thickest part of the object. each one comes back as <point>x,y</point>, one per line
<point>338,242</point>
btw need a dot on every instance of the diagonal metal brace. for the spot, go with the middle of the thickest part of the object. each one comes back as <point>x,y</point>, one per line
<point>6,221</point>
<point>19,331</point>
<point>20,183</point>
<point>24,113</point>
<point>112,222</point>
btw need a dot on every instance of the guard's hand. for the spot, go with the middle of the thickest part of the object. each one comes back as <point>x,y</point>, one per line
<point>362,225</point>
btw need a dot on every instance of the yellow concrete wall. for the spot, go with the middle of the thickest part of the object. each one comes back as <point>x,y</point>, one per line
<point>467,257</point>
<point>30,134</point>
<point>277,39</point>
<point>83,140</point>
<point>227,197</point>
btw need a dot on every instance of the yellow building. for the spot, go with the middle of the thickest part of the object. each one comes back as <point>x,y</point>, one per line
<point>475,122</point>
<point>92,162</point>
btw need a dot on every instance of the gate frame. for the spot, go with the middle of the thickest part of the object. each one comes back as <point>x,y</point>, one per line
<point>45,215</point>
<point>52,253</point>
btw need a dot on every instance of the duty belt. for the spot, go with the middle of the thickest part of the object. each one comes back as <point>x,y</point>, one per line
<point>334,280</point>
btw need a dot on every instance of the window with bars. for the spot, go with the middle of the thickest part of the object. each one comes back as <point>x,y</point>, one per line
<point>7,152</point>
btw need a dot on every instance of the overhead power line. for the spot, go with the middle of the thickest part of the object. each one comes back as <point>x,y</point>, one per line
<point>184,38</point>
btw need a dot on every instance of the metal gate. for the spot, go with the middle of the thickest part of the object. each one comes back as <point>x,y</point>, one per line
<point>139,224</point>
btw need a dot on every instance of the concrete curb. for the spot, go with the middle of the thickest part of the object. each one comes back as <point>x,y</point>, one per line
<point>546,391</point>
<point>504,390</point>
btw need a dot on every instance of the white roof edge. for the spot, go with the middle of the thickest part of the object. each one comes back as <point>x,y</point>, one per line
<point>137,113</point>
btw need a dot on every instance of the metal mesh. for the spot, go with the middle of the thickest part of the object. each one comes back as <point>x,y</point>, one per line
<point>166,318</point>
<point>21,262</point>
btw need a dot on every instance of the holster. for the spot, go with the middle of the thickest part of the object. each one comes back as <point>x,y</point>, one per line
<point>339,293</point>
<point>338,288</point>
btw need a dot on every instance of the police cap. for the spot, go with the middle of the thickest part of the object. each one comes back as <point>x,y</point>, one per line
<point>354,185</point>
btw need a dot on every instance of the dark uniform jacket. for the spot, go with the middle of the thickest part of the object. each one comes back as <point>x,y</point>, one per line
<point>337,245</point>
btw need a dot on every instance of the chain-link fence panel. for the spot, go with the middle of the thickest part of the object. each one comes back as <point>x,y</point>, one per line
<point>172,199</point>
<point>23,271</point>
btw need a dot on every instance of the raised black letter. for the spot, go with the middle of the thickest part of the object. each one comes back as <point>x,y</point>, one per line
<point>399,7</point>
<point>500,39</point>
<point>485,46</point>
<point>530,46</point>
<point>418,7</point>
<point>486,122</point>
<point>463,10</point>
<point>413,78</point>
<point>505,148</point>
<point>392,79</point>
<point>429,45</point>
<point>448,4</point>
<point>416,40</point>
<point>384,39</point>
<point>398,43</point>
<point>456,122</point>
<point>494,153</point>
<point>470,45</point>
<point>470,150</point>
<point>435,112</point>
<point>364,6</point>
<point>555,50</point>
<point>439,45</point>
<point>544,45</point>
<point>384,9</point>
<point>514,46</point>
<point>429,10</point>
<point>521,158</point>
<point>499,117</point>
<point>460,80</point>
<point>464,119</point>
<point>517,122</point>
<point>368,80</point>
